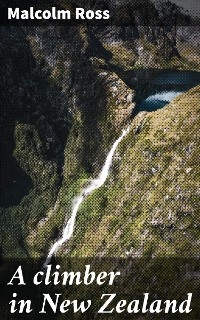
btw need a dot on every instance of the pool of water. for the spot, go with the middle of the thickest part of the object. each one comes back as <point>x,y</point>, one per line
<point>159,100</point>
<point>168,86</point>
<point>178,78</point>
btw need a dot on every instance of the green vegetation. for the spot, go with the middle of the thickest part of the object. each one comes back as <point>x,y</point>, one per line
<point>148,206</point>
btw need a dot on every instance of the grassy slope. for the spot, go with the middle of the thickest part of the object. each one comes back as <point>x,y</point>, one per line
<point>149,203</point>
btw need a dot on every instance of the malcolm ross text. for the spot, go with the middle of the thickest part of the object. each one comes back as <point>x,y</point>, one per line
<point>55,14</point>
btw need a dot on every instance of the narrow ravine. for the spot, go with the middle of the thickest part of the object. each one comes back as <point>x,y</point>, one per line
<point>77,201</point>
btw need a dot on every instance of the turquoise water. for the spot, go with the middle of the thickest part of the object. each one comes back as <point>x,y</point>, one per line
<point>178,78</point>
<point>168,86</point>
<point>159,100</point>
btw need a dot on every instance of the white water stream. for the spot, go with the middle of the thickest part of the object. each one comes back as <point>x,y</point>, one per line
<point>93,185</point>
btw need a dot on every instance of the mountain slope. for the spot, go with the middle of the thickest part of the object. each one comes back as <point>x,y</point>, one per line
<point>148,206</point>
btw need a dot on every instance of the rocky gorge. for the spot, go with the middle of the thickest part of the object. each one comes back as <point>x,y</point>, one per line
<point>66,95</point>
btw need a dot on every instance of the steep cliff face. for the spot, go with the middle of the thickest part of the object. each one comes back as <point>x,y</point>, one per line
<point>63,104</point>
<point>51,94</point>
<point>34,126</point>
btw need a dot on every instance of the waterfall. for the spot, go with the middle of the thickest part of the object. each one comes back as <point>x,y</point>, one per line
<point>94,184</point>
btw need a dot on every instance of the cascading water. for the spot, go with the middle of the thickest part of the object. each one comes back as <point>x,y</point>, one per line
<point>94,184</point>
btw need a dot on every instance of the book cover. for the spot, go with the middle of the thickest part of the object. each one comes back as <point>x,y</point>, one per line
<point>99,159</point>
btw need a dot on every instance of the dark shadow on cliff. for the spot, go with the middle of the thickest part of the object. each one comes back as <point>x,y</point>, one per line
<point>14,182</point>
<point>28,97</point>
<point>93,100</point>
<point>96,49</point>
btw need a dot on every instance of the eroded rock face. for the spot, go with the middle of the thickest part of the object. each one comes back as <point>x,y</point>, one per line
<point>42,94</point>
<point>120,99</point>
